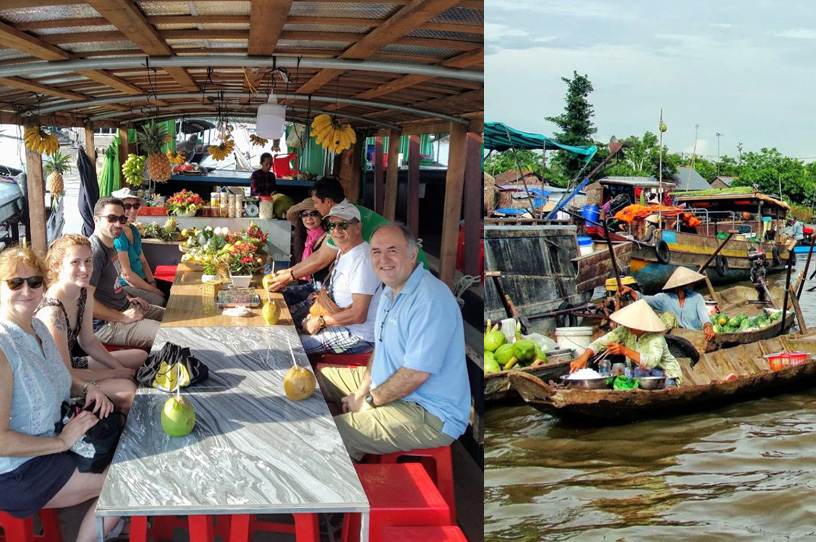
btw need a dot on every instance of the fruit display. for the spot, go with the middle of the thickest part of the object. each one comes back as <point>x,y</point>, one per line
<point>299,383</point>
<point>177,158</point>
<point>332,135</point>
<point>257,141</point>
<point>168,232</point>
<point>133,169</point>
<point>500,355</point>
<point>178,417</point>
<point>722,323</point>
<point>281,204</point>
<point>222,150</point>
<point>37,139</point>
<point>151,138</point>
<point>59,164</point>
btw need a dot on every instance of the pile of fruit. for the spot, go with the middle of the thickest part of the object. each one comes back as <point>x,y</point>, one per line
<point>213,245</point>
<point>500,355</point>
<point>741,322</point>
<point>168,232</point>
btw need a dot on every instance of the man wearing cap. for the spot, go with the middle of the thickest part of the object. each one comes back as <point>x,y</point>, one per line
<point>795,231</point>
<point>351,285</point>
<point>679,299</point>
<point>639,337</point>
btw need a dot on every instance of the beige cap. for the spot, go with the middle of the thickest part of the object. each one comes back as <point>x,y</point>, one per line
<point>683,276</point>
<point>345,210</point>
<point>639,315</point>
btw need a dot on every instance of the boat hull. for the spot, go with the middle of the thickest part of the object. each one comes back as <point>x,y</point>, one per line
<point>497,387</point>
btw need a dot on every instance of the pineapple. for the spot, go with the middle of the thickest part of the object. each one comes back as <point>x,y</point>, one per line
<point>152,138</point>
<point>55,167</point>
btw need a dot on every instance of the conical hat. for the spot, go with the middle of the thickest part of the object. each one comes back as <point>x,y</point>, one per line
<point>639,315</point>
<point>683,276</point>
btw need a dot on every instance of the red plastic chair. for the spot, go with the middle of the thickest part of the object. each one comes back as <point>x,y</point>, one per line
<point>446,533</point>
<point>201,528</point>
<point>282,164</point>
<point>305,527</point>
<point>165,272</point>
<point>22,530</point>
<point>340,360</point>
<point>438,464</point>
<point>398,494</point>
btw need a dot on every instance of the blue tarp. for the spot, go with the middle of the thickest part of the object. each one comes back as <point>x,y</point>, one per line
<point>496,138</point>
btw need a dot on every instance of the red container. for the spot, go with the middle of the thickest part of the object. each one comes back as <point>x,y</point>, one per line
<point>153,211</point>
<point>782,360</point>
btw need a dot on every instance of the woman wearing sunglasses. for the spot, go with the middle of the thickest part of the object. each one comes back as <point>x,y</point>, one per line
<point>308,236</point>
<point>136,274</point>
<point>67,311</point>
<point>35,469</point>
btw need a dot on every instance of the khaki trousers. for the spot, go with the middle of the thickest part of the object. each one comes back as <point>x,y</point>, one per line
<point>135,335</point>
<point>397,426</point>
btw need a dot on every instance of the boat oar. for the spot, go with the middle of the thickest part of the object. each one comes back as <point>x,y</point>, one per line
<point>710,259</point>
<point>801,282</point>
<point>509,308</point>
<point>614,261</point>
<point>787,293</point>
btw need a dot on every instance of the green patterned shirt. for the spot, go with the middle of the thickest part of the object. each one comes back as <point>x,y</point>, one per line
<point>654,352</point>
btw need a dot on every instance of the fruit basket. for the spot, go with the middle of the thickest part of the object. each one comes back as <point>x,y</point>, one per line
<point>153,211</point>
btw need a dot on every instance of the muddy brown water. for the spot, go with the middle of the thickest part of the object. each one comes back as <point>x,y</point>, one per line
<point>742,472</point>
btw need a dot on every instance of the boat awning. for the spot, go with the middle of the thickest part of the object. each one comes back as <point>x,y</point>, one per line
<point>730,199</point>
<point>500,137</point>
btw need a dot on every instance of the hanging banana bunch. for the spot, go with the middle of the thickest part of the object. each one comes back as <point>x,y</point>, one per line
<point>133,169</point>
<point>258,141</point>
<point>221,151</point>
<point>40,141</point>
<point>177,158</point>
<point>332,135</point>
<point>276,145</point>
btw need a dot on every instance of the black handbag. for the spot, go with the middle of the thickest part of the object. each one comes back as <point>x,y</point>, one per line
<point>94,451</point>
<point>170,367</point>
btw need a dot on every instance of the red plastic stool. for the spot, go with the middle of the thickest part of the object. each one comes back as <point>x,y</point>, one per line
<point>398,494</point>
<point>22,530</point>
<point>341,360</point>
<point>438,463</point>
<point>201,528</point>
<point>165,272</point>
<point>305,527</point>
<point>436,533</point>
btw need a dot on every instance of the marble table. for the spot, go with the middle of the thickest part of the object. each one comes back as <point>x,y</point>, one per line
<point>252,451</point>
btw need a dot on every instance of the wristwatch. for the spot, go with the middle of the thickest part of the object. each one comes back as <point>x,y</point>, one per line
<point>321,321</point>
<point>85,387</point>
<point>370,400</point>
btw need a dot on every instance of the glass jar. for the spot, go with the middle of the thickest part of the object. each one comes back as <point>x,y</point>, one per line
<point>265,209</point>
<point>215,199</point>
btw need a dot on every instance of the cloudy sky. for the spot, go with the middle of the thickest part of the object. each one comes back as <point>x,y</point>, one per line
<point>744,69</point>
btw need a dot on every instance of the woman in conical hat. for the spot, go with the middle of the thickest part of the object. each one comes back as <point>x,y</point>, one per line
<point>638,337</point>
<point>679,299</point>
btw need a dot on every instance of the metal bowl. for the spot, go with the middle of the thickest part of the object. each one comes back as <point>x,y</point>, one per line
<point>651,382</point>
<point>598,383</point>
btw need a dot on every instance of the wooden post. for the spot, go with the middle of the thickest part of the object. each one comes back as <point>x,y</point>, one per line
<point>392,176</point>
<point>123,146</point>
<point>35,189</point>
<point>90,145</point>
<point>378,175</point>
<point>353,194</point>
<point>474,181</point>
<point>454,185</point>
<point>413,185</point>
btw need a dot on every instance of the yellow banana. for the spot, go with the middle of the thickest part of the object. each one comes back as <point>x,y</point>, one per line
<point>352,134</point>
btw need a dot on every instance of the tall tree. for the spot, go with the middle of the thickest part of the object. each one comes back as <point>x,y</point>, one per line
<point>575,124</point>
<point>499,162</point>
<point>773,173</point>
<point>641,158</point>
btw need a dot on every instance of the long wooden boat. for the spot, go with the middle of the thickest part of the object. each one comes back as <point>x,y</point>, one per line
<point>593,269</point>
<point>497,386</point>
<point>735,374</point>
<point>653,263</point>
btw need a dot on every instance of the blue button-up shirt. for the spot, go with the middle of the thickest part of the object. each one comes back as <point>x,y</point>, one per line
<point>422,329</point>
<point>693,313</point>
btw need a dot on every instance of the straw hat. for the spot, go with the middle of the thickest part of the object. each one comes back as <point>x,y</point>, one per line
<point>639,315</point>
<point>653,218</point>
<point>293,214</point>
<point>683,276</point>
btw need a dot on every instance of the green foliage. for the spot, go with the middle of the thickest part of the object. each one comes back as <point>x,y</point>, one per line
<point>529,160</point>
<point>802,214</point>
<point>641,158</point>
<point>575,124</point>
<point>774,173</point>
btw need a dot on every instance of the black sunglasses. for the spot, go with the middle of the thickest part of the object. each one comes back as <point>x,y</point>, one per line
<point>343,225</point>
<point>304,214</point>
<point>17,283</point>
<point>113,219</point>
<point>129,206</point>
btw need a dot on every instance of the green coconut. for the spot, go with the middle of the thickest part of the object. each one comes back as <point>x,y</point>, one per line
<point>281,204</point>
<point>178,417</point>
<point>490,363</point>
<point>540,353</point>
<point>504,353</point>
<point>524,350</point>
<point>493,340</point>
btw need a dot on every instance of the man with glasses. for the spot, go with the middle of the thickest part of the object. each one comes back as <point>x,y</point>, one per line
<point>415,392</point>
<point>118,320</point>
<point>353,288</point>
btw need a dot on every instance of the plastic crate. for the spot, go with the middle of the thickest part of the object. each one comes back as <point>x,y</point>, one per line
<point>153,211</point>
<point>782,360</point>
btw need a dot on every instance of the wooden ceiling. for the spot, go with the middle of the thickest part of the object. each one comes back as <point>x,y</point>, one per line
<point>413,64</point>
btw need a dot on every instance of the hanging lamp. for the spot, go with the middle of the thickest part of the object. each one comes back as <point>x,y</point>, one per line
<point>271,116</point>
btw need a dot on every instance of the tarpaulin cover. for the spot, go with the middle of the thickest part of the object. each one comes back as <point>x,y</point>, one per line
<point>496,138</point>
<point>631,212</point>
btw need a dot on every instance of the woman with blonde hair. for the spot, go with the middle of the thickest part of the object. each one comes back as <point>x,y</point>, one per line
<point>67,311</point>
<point>35,469</point>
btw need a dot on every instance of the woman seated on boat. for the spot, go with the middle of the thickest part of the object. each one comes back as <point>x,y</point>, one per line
<point>640,339</point>
<point>679,299</point>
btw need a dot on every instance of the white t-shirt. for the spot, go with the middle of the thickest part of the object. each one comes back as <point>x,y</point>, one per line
<point>353,274</point>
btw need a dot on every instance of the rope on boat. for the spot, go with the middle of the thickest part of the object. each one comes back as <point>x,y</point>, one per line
<point>461,286</point>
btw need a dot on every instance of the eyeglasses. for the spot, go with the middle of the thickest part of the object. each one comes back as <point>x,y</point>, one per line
<point>304,214</point>
<point>343,225</point>
<point>17,282</point>
<point>129,206</point>
<point>113,219</point>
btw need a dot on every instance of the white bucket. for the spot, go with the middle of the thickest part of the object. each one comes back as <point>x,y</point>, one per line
<point>574,337</point>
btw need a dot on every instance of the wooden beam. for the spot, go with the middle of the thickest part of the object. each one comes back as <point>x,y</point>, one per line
<point>318,80</point>
<point>35,187</point>
<point>473,190</point>
<point>412,219</point>
<point>123,146</point>
<point>392,176</point>
<point>466,60</point>
<point>379,188</point>
<point>268,18</point>
<point>102,76</point>
<point>90,144</point>
<point>14,39</point>
<point>36,88</point>
<point>454,186</point>
<point>357,169</point>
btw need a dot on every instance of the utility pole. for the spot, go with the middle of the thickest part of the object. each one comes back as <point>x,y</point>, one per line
<point>739,150</point>
<point>694,151</point>
<point>718,152</point>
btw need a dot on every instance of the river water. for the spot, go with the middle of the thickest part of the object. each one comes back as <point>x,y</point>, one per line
<point>743,472</point>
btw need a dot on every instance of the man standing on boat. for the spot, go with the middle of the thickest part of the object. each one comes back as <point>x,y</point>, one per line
<point>794,232</point>
<point>680,299</point>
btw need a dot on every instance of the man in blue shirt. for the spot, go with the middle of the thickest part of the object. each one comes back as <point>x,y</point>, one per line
<point>414,393</point>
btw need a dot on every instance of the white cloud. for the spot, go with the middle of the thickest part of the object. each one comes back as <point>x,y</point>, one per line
<point>501,32</point>
<point>797,33</point>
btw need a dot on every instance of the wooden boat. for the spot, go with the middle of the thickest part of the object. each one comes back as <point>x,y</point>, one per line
<point>593,269</point>
<point>735,374</point>
<point>653,263</point>
<point>497,386</point>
